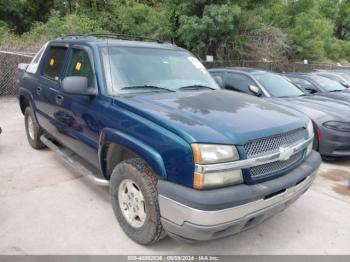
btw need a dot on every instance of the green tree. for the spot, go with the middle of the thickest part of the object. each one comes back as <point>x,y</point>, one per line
<point>342,23</point>
<point>309,35</point>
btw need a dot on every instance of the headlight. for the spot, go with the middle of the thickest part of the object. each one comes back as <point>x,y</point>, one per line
<point>205,154</point>
<point>337,125</point>
<point>310,133</point>
<point>212,154</point>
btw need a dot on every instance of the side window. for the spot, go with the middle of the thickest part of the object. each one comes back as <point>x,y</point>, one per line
<point>80,65</point>
<point>302,82</point>
<point>238,82</point>
<point>218,77</point>
<point>333,77</point>
<point>54,62</point>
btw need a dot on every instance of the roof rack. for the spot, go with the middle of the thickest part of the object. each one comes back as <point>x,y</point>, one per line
<point>111,36</point>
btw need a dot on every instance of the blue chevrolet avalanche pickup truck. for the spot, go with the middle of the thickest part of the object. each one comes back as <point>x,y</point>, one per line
<point>181,157</point>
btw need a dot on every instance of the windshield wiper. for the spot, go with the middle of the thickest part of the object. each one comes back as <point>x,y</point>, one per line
<point>336,90</point>
<point>195,87</point>
<point>148,87</point>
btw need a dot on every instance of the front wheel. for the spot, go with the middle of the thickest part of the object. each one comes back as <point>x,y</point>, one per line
<point>135,201</point>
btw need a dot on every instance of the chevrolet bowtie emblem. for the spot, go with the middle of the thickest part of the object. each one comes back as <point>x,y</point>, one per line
<point>285,153</point>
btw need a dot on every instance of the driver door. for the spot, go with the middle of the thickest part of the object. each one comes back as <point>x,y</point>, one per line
<point>80,116</point>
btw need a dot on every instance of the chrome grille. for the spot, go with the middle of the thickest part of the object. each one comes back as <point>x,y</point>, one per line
<point>274,167</point>
<point>272,144</point>
<point>269,145</point>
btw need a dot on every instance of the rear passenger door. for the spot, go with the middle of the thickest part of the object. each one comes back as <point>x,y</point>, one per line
<point>238,82</point>
<point>47,90</point>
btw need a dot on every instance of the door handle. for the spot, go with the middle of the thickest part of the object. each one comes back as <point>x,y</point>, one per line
<point>59,99</point>
<point>38,90</point>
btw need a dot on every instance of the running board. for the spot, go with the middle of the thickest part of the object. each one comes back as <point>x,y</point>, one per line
<point>69,159</point>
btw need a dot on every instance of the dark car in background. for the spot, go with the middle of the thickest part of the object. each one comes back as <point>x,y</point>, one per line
<point>320,85</point>
<point>331,117</point>
<point>341,77</point>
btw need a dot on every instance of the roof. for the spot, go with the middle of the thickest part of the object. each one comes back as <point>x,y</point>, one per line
<point>242,69</point>
<point>296,74</point>
<point>105,39</point>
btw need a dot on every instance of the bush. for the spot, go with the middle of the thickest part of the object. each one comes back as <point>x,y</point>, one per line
<point>42,32</point>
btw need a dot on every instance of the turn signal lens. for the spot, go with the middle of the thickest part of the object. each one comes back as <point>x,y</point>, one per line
<point>217,179</point>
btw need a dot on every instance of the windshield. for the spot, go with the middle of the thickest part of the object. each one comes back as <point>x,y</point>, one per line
<point>345,76</point>
<point>135,69</point>
<point>326,83</point>
<point>277,86</point>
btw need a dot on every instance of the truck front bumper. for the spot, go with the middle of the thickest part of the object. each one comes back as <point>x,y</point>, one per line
<point>189,214</point>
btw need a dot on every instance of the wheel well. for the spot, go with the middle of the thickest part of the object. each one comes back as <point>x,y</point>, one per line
<point>114,154</point>
<point>24,103</point>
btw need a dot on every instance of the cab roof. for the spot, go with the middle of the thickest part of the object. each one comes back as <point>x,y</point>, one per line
<point>109,39</point>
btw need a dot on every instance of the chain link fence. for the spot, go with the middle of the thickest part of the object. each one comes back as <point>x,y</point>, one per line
<point>8,67</point>
<point>275,66</point>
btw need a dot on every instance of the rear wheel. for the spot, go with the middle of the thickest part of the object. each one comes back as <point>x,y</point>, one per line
<point>33,129</point>
<point>135,201</point>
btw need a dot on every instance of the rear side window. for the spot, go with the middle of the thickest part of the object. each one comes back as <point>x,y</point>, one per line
<point>238,82</point>
<point>218,77</point>
<point>302,82</point>
<point>80,65</point>
<point>54,62</point>
<point>34,64</point>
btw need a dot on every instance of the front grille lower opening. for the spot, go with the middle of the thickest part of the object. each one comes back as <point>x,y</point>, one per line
<point>275,193</point>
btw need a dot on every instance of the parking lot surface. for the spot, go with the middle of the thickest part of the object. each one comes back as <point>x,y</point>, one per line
<point>46,208</point>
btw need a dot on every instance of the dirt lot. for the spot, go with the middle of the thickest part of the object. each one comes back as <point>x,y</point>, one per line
<point>45,208</point>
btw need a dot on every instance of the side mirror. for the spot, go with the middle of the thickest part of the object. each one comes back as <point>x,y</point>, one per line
<point>311,90</point>
<point>219,81</point>
<point>77,85</point>
<point>344,83</point>
<point>255,90</point>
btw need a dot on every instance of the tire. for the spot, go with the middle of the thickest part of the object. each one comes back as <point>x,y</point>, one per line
<point>146,229</point>
<point>33,130</point>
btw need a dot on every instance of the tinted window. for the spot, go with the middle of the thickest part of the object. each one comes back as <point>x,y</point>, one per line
<point>344,75</point>
<point>328,84</point>
<point>304,84</point>
<point>54,62</point>
<point>80,65</point>
<point>238,82</point>
<point>277,86</point>
<point>333,77</point>
<point>218,77</point>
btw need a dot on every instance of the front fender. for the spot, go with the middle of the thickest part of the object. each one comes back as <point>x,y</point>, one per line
<point>146,152</point>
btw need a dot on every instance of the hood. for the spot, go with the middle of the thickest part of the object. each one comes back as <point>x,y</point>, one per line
<point>319,108</point>
<point>214,116</point>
